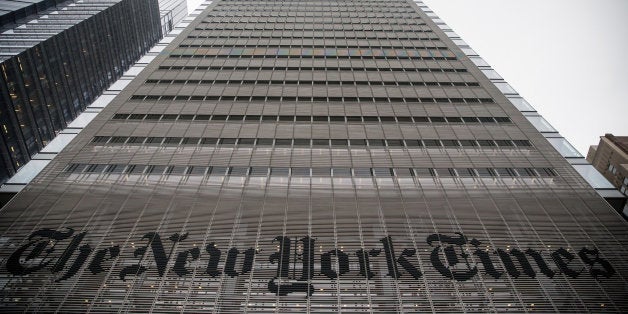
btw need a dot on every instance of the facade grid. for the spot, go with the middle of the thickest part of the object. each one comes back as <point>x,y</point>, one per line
<point>312,156</point>
<point>60,61</point>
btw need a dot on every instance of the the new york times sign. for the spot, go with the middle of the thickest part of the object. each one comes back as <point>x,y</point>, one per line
<point>63,253</point>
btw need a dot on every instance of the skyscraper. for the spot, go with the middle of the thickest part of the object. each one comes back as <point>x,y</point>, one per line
<point>57,57</point>
<point>314,156</point>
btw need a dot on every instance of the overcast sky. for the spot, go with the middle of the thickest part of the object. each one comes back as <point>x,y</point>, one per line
<point>566,57</point>
<point>192,4</point>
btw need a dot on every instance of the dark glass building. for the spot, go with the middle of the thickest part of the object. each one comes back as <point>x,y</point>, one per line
<point>56,60</point>
<point>314,156</point>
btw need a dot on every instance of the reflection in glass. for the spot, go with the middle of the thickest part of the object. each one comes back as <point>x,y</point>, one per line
<point>593,177</point>
<point>563,147</point>
<point>505,88</point>
<point>541,124</point>
<point>492,74</point>
<point>521,104</point>
<point>479,61</point>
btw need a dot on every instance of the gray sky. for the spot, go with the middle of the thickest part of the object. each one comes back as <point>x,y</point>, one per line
<point>566,57</point>
<point>193,4</point>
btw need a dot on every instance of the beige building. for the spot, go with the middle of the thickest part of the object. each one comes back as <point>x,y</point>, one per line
<point>610,157</point>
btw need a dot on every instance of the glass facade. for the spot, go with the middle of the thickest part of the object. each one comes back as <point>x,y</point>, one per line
<point>171,13</point>
<point>312,156</point>
<point>54,68</point>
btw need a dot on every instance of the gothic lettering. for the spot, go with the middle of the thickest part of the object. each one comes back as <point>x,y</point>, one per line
<point>540,262</point>
<point>591,258</point>
<point>562,258</point>
<point>392,260</point>
<point>48,237</point>
<point>78,262</point>
<point>182,260</point>
<point>451,257</point>
<point>510,265</point>
<point>214,258</point>
<point>343,264</point>
<point>365,264</point>
<point>247,265</point>
<point>76,240</point>
<point>295,262</point>
<point>282,259</point>
<point>159,254</point>
<point>100,256</point>
<point>485,259</point>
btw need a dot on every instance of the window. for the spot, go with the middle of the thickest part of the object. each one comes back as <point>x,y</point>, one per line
<point>486,119</point>
<point>218,171</point>
<point>321,172</point>
<point>301,142</point>
<point>246,141</point>
<point>445,172</point>
<point>341,172</point>
<point>540,124</point>
<point>450,143</point>
<point>465,172</point>
<point>135,140</point>
<point>100,139</point>
<point>265,141</point>
<point>269,118</point>
<point>259,171</point>
<point>240,171</point>
<point>339,142</point>
<point>486,143</point>
<point>172,140</point>
<point>593,177</point>
<point>521,104</point>
<point>563,147</point>
<point>454,119</point>
<point>154,140</point>
<point>303,119</point>
<point>424,172</point>
<point>320,142</point>
<point>190,141</point>
<point>611,168</point>
<point>485,172</point>
<point>504,143</point>
<point>286,118</point>
<point>202,117</point>
<point>431,143</point>
<point>383,172</point>
<point>227,141</point>
<point>362,172</point>
<point>209,141</point>
<point>300,172</point>
<point>356,142</point>
<point>283,142</point>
